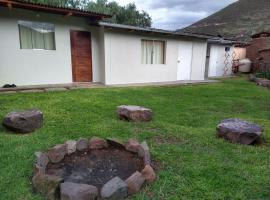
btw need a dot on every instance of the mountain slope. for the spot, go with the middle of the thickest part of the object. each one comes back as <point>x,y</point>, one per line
<point>239,20</point>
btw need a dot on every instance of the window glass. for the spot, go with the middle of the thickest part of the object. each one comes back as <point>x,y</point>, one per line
<point>34,35</point>
<point>153,52</point>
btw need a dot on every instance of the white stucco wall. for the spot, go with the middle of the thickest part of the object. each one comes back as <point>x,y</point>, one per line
<point>35,67</point>
<point>123,59</point>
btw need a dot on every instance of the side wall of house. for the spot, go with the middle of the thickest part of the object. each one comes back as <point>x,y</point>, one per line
<point>123,61</point>
<point>35,67</point>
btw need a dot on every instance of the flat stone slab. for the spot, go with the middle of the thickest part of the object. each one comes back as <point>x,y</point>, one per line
<point>31,91</point>
<point>74,191</point>
<point>55,89</point>
<point>134,113</point>
<point>239,131</point>
<point>8,92</point>
<point>24,122</point>
<point>116,188</point>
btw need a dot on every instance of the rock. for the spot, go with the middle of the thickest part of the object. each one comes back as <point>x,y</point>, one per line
<point>149,174</point>
<point>133,145</point>
<point>41,159</point>
<point>39,170</point>
<point>134,113</point>
<point>115,143</point>
<point>263,82</point>
<point>252,78</point>
<point>135,182</point>
<point>57,153</point>
<point>71,146</point>
<point>47,185</point>
<point>82,144</point>
<point>41,162</point>
<point>74,191</point>
<point>116,189</point>
<point>144,153</point>
<point>24,122</point>
<point>97,143</point>
<point>239,131</point>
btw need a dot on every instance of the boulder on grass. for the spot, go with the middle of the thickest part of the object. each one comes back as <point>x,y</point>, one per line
<point>239,131</point>
<point>134,113</point>
<point>24,122</point>
<point>74,191</point>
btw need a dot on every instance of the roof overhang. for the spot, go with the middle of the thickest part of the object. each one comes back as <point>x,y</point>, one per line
<point>133,29</point>
<point>52,9</point>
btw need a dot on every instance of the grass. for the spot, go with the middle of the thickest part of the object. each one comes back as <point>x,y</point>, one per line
<point>194,164</point>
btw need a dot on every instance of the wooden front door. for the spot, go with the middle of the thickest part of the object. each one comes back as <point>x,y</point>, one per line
<point>81,55</point>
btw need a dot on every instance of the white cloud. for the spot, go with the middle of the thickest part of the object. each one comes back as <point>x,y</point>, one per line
<point>175,14</point>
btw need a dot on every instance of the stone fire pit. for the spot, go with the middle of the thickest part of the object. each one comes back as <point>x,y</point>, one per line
<point>91,169</point>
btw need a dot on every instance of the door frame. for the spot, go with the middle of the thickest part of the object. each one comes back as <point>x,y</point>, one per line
<point>72,61</point>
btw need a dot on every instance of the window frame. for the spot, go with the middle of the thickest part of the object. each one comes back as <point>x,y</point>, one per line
<point>164,50</point>
<point>36,49</point>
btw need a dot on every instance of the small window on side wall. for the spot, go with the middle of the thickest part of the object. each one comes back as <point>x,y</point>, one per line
<point>34,35</point>
<point>153,52</point>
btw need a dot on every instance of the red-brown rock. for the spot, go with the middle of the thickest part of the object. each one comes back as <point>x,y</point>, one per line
<point>97,143</point>
<point>133,145</point>
<point>149,174</point>
<point>57,153</point>
<point>135,182</point>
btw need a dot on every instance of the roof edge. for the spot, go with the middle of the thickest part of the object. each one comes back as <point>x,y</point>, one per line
<point>149,30</point>
<point>51,9</point>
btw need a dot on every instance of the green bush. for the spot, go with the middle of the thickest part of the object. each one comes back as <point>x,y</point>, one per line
<point>263,75</point>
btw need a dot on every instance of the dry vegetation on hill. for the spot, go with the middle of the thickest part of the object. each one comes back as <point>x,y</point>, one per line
<point>244,17</point>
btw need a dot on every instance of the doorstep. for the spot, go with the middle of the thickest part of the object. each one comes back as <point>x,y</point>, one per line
<point>49,88</point>
<point>171,83</point>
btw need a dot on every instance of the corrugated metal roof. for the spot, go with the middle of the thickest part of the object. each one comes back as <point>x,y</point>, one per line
<point>24,4</point>
<point>151,30</point>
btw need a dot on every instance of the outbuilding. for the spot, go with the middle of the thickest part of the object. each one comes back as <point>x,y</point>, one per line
<point>220,57</point>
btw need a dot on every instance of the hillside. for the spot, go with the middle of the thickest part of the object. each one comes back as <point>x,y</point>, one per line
<point>239,20</point>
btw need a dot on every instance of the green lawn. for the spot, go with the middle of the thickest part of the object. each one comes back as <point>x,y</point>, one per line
<point>193,163</point>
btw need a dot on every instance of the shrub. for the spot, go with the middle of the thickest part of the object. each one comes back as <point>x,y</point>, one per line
<point>263,75</point>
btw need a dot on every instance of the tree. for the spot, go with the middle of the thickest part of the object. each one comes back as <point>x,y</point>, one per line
<point>128,15</point>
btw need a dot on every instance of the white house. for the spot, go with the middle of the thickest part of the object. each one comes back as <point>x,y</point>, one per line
<point>52,45</point>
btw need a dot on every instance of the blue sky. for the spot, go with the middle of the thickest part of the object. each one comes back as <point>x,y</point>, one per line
<point>175,14</point>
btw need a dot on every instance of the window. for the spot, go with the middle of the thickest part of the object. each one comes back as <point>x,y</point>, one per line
<point>34,35</point>
<point>153,52</point>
